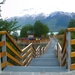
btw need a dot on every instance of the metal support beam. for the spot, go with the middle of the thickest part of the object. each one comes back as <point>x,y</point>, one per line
<point>4,59</point>
<point>68,48</point>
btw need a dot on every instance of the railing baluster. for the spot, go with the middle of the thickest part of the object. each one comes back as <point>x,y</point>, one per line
<point>68,48</point>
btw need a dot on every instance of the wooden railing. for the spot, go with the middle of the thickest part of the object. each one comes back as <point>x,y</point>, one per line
<point>65,55</point>
<point>61,51</point>
<point>42,49</point>
<point>58,36</point>
<point>47,47</point>
<point>12,55</point>
<point>26,41</point>
<point>72,53</point>
<point>38,51</point>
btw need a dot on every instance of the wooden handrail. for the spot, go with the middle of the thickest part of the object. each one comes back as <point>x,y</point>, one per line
<point>3,64</point>
<point>23,57</point>
<point>72,54</point>
<point>34,51</point>
<point>38,51</point>
<point>2,54</point>
<point>26,47</point>
<point>2,43</point>
<point>64,41</point>
<point>70,29</point>
<point>72,66</point>
<point>47,46</point>
<point>25,61</point>
<point>10,64</point>
<point>16,53</point>
<point>67,55</point>
<point>62,54</point>
<point>13,42</point>
<point>14,59</point>
<point>72,42</point>
<point>29,61</point>
<point>59,36</point>
<point>64,50</point>
<point>5,32</point>
<point>20,57</point>
<point>26,54</point>
<point>38,47</point>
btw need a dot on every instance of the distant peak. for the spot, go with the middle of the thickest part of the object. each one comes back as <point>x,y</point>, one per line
<point>62,13</point>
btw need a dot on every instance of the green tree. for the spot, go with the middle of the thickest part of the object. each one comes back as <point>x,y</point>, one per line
<point>26,28</point>
<point>40,28</point>
<point>71,23</point>
<point>8,26</point>
<point>61,32</point>
<point>46,29</point>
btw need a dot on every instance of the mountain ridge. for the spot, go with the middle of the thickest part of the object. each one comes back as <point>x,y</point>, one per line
<point>56,20</point>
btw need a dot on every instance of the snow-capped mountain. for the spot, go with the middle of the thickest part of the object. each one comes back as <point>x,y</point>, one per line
<point>55,21</point>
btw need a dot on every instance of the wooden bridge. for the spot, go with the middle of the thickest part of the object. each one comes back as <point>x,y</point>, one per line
<point>41,59</point>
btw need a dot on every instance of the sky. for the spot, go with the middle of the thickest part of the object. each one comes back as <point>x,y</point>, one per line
<point>12,8</point>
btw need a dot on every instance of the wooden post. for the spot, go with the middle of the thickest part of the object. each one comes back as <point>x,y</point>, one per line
<point>68,48</point>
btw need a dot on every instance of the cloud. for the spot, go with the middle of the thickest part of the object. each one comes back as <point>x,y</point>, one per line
<point>29,9</point>
<point>21,7</point>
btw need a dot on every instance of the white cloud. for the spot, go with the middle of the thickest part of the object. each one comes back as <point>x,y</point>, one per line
<point>21,7</point>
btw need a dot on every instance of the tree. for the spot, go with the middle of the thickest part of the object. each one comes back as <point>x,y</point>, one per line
<point>46,29</point>
<point>8,26</point>
<point>26,28</point>
<point>71,23</point>
<point>61,32</point>
<point>40,29</point>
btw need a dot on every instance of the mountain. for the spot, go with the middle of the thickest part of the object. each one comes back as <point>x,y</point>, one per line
<point>55,21</point>
<point>58,20</point>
